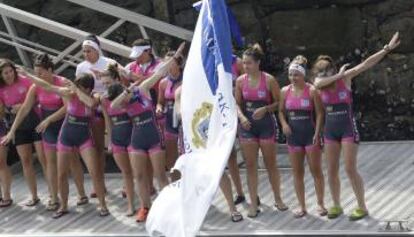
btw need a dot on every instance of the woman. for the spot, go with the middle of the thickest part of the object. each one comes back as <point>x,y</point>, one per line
<point>75,136</point>
<point>166,97</point>
<point>299,107</point>
<point>257,95</point>
<point>147,145</point>
<point>340,129</point>
<point>94,60</point>
<point>119,128</point>
<point>52,111</point>
<point>13,90</point>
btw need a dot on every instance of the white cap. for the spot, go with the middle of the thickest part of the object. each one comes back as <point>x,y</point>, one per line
<point>136,51</point>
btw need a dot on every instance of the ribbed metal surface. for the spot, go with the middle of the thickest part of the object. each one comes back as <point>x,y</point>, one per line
<point>387,169</point>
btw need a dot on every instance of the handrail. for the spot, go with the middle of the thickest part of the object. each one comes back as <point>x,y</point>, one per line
<point>136,18</point>
<point>60,29</point>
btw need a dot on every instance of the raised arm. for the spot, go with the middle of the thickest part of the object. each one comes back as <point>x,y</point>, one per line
<point>321,82</point>
<point>61,91</point>
<point>373,59</point>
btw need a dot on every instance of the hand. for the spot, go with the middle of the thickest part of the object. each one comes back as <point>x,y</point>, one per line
<point>7,139</point>
<point>159,111</point>
<point>395,41</point>
<point>15,108</point>
<point>109,148</point>
<point>245,123</point>
<point>259,113</point>
<point>286,130</point>
<point>43,125</point>
<point>316,139</point>
<point>71,86</point>
<point>343,69</point>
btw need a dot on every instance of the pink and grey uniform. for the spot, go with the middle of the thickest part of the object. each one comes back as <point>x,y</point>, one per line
<point>11,95</point>
<point>171,128</point>
<point>301,120</point>
<point>146,135</point>
<point>49,102</point>
<point>76,131</point>
<point>121,127</point>
<point>340,125</point>
<point>265,129</point>
<point>147,70</point>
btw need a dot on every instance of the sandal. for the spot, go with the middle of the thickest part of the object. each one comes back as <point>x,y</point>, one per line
<point>52,206</point>
<point>254,215</point>
<point>300,213</point>
<point>59,214</point>
<point>239,199</point>
<point>6,203</point>
<point>322,211</point>
<point>236,216</point>
<point>82,201</point>
<point>358,214</point>
<point>103,212</point>
<point>281,207</point>
<point>32,202</point>
<point>335,212</point>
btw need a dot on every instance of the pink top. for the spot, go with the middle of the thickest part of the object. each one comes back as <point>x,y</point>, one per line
<point>15,93</point>
<point>303,102</point>
<point>169,92</point>
<point>261,93</point>
<point>112,111</point>
<point>47,99</point>
<point>139,103</point>
<point>147,72</point>
<point>341,95</point>
<point>78,108</point>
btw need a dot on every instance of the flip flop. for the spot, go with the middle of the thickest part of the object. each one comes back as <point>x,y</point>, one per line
<point>281,208</point>
<point>236,216</point>
<point>358,214</point>
<point>335,212</point>
<point>59,214</point>
<point>52,206</point>
<point>300,213</point>
<point>239,199</point>
<point>82,201</point>
<point>322,211</point>
<point>32,202</point>
<point>254,215</point>
<point>103,212</point>
<point>6,203</point>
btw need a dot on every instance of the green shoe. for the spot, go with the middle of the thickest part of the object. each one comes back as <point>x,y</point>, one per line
<point>358,214</point>
<point>334,212</point>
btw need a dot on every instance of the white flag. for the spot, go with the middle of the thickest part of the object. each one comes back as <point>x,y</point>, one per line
<point>209,121</point>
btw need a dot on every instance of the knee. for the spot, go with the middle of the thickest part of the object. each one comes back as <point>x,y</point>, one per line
<point>26,162</point>
<point>351,171</point>
<point>3,164</point>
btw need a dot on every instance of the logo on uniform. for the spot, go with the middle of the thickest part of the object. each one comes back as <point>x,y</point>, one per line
<point>200,123</point>
<point>342,95</point>
<point>305,102</point>
<point>329,108</point>
<point>261,94</point>
<point>249,104</point>
<point>136,119</point>
<point>291,114</point>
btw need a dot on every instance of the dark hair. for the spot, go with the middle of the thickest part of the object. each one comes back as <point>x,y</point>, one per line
<point>43,60</point>
<point>112,72</point>
<point>4,62</point>
<point>85,80</point>
<point>114,91</point>
<point>142,42</point>
<point>94,38</point>
<point>178,59</point>
<point>255,51</point>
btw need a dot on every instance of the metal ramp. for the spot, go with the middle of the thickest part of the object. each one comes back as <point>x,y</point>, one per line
<point>387,169</point>
<point>68,57</point>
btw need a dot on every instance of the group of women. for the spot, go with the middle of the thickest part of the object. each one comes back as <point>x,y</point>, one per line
<point>136,105</point>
